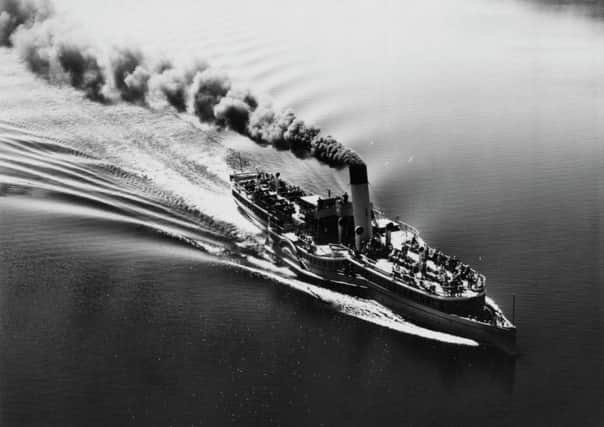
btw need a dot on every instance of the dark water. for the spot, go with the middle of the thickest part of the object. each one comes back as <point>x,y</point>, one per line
<point>125,299</point>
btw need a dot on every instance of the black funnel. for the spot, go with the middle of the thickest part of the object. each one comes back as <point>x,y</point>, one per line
<point>358,174</point>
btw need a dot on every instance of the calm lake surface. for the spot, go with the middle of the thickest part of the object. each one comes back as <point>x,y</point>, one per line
<point>482,124</point>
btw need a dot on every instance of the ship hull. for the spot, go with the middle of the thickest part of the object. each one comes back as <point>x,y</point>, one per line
<point>283,251</point>
<point>504,339</point>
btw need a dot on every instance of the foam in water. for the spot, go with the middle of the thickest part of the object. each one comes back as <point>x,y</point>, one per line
<point>367,310</point>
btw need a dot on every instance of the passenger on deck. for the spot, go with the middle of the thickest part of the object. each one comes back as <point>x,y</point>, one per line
<point>396,271</point>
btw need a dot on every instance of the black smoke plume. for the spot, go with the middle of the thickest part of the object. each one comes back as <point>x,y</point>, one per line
<point>83,70</point>
<point>233,113</point>
<point>126,74</point>
<point>173,83</point>
<point>130,78</point>
<point>208,88</point>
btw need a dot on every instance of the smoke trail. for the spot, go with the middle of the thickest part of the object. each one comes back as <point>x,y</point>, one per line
<point>15,13</point>
<point>126,74</point>
<point>208,88</point>
<point>233,112</point>
<point>83,70</point>
<point>129,78</point>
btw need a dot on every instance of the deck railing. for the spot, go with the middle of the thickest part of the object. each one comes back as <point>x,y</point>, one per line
<point>406,227</point>
<point>403,225</point>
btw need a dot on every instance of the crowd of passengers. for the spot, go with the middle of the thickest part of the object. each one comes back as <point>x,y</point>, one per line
<point>449,272</point>
<point>280,208</point>
<point>264,190</point>
<point>271,182</point>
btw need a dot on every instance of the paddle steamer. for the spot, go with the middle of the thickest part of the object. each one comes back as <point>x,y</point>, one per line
<point>343,241</point>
